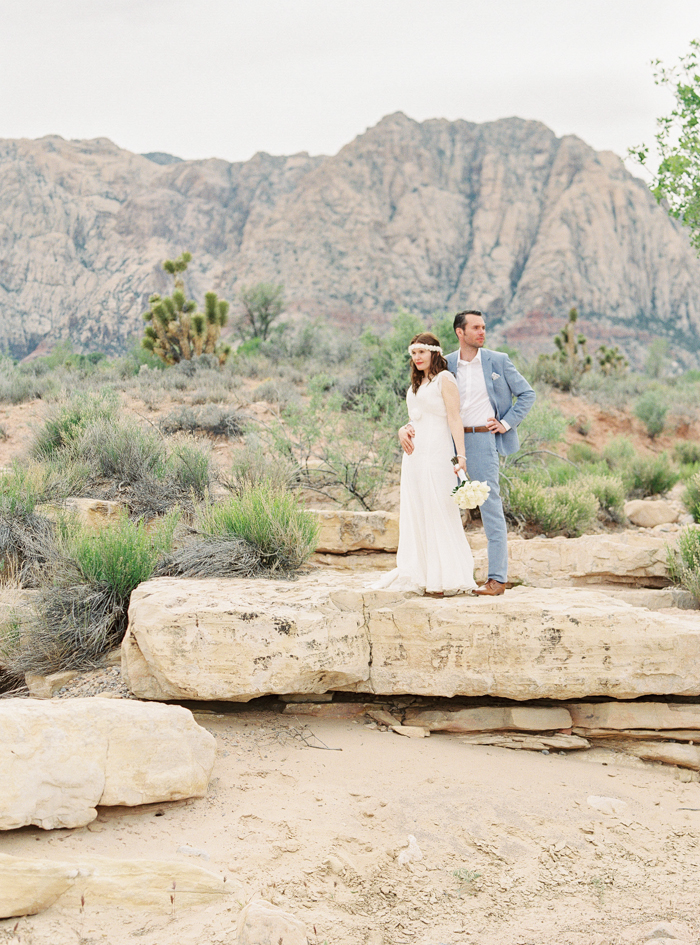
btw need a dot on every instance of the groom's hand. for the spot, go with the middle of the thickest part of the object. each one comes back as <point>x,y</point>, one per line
<point>406,435</point>
<point>495,426</point>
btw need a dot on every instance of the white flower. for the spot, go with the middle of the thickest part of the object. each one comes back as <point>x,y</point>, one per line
<point>494,376</point>
<point>471,493</point>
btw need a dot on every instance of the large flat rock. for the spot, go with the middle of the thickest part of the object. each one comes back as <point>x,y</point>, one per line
<point>236,639</point>
<point>60,759</point>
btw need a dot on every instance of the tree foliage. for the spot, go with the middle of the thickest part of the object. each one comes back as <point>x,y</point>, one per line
<point>263,303</point>
<point>677,180</point>
<point>177,330</point>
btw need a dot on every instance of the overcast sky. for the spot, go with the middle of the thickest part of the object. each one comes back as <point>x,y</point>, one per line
<point>227,78</point>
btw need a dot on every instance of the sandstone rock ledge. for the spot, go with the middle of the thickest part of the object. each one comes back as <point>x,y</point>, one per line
<point>238,639</point>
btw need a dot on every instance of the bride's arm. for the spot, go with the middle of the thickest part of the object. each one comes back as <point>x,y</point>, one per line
<point>450,395</point>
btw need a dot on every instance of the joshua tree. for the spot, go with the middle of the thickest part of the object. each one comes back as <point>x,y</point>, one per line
<point>177,331</point>
<point>611,360</point>
<point>570,362</point>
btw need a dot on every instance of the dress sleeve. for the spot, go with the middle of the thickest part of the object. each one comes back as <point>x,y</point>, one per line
<point>446,376</point>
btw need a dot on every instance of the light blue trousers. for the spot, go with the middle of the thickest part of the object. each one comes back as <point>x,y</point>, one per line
<point>482,464</point>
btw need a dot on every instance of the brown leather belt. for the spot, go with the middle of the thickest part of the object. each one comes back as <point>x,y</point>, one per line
<point>476,430</point>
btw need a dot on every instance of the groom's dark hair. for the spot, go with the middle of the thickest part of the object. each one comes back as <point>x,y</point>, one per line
<point>461,317</point>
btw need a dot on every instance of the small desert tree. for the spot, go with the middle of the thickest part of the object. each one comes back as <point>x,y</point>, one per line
<point>263,304</point>
<point>177,331</point>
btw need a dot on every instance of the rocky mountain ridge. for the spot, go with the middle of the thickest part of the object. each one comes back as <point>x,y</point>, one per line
<point>438,215</point>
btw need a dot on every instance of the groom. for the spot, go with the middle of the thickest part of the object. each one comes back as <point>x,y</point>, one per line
<point>493,398</point>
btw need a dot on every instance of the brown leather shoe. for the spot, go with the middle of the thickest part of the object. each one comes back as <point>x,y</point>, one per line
<point>492,588</point>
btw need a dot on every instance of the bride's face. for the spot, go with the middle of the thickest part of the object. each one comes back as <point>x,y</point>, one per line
<point>421,358</point>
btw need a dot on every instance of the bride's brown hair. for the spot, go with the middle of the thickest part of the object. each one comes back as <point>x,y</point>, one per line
<point>437,362</point>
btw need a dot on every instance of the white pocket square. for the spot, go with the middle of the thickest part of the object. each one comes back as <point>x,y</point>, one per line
<point>494,376</point>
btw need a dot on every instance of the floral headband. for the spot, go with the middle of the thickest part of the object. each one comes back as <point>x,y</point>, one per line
<point>421,347</point>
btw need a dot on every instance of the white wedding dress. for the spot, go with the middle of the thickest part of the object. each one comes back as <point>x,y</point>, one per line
<point>433,554</point>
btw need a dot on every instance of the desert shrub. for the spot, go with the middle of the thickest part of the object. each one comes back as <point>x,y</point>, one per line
<point>121,556</point>
<point>16,386</point>
<point>551,510</point>
<point>650,475</point>
<point>275,391</point>
<point>26,544</point>
<point>684,565</point>
<point>344,455</point>
<point>582,453</point>
<point>691,496</point>
<point>253,466</point>
<point>211,557</point>
<point>69,420</point>
<point>80,611</point>
<point>216,421</point>
<point>651,410</point>
<point>619,452</point>
<point>124,461</point>
<point>687,452</point>
<point>610,492</point>
<point>269,519</point>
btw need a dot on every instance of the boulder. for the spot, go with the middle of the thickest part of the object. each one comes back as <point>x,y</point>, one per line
<point>63,758</point>
<point>619,716</point>
<point>342,532</point>
<point>235,639</point>
<point>648,513</point>
<point>45,687</point>
<point>28,886</point>
<point>239,639</point>
<point>94,514</point>
<point>632,558</point>
<point>261,923</point>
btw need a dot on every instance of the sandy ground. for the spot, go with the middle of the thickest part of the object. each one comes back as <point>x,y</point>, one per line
<point>512,851</point>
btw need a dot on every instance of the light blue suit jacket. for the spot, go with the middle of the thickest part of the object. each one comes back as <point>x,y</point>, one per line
<point>503,383</point>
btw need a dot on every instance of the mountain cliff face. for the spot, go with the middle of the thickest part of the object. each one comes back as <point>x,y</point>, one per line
<point>504,217</point>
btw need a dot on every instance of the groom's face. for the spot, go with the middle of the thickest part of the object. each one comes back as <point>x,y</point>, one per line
<point>474,332</point>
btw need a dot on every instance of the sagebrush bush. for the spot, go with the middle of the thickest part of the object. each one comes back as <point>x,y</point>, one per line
<point>610,493</point>
<point>269,519</point>
<point>214,420</point>
<point>687,452</point>
<point>691,496</point>
<point>80,611</point>
<point>651,409</point>
<point>650,475</point>
<point>684,566</point>
<point>581,453</point>
<point>275,391</point>
<point>120,556</point>
<point>118,458</point>
<point>552,510</point>
<point>253,466</point>
<point>69,420</point>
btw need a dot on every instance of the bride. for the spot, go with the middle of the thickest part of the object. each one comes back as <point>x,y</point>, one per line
<point>434,556</point>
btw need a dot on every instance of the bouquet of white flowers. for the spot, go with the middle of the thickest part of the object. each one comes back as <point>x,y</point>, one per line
<point>469,493</point>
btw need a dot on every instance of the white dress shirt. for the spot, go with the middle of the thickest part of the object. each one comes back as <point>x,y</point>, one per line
<point>475,406</point>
